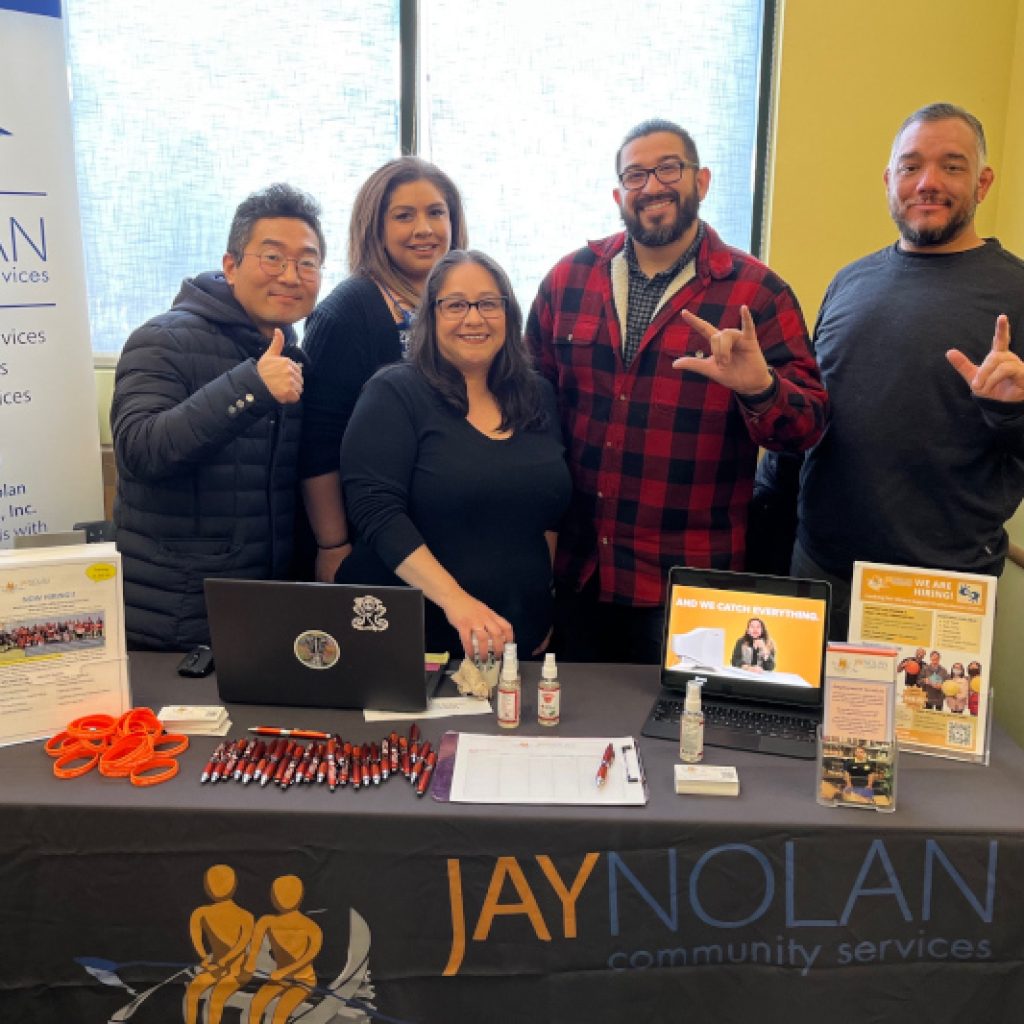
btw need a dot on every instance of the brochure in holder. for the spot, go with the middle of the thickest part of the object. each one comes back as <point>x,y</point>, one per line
<point>62,642</point>
<point>857,748</point>
<point>942,625</point>
<point>857,773</point>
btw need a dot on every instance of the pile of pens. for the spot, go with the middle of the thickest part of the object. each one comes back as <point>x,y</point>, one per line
<point>284,761</point>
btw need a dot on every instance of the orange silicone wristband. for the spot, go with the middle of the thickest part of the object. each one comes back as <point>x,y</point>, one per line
<point>180,744</point>
<point>63,772</point>
<point>170,768</point>
<point>92,726</point>
<point>126,753</point>
<point>60,743</point>
<point>139,720</point>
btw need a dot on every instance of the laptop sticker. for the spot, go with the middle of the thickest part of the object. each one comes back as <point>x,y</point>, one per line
<point>369,614</point>
<point>316,649</point>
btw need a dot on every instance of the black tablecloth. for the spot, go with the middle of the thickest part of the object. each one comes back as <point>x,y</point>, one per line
<point>690,908</point>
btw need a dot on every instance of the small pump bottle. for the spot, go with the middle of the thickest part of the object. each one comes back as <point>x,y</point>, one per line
<point>549,693</point>
<point>510,689</point>
<point>691,725</point>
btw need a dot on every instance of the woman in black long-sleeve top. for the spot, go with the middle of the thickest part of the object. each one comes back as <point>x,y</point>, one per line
<point>454,469</point>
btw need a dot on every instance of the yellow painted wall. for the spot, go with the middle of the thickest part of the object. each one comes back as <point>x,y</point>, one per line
<point>847,76</point>
<point>1009,644</point>
<point>1010,219</point>
<point>104,396</point>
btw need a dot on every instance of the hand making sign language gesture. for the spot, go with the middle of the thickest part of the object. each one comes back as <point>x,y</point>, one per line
<point>1001,374</point>
<point>282,375</point>
<point>736,359</point>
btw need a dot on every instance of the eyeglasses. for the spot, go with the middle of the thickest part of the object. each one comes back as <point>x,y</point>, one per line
<point>668,172</point>
<point>273,263</point>
<point>456,309</point>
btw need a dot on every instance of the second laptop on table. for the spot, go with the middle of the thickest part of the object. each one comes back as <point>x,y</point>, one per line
<point>757,644</point>
<point>317,644</point>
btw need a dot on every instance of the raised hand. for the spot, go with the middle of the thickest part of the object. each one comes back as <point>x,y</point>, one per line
<point>1001,374</point>
<point>736,360</point>
<point>282,376</point>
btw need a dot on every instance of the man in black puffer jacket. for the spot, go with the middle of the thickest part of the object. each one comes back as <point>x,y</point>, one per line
<point>206,423</point>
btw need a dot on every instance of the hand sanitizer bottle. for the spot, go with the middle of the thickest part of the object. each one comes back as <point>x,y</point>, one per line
<point>691,725</point>
<point>549,693</point>
<point>510,689</point>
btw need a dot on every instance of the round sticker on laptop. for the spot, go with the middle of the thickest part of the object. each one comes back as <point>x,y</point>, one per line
<point>317,649</point>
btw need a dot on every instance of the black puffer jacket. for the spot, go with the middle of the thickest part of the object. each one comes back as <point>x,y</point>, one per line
<point>206,462</point>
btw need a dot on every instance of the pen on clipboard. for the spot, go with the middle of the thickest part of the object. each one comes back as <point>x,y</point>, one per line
<point>606,762</point>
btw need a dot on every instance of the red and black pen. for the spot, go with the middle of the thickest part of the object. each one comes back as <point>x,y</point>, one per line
<point>428,762</point>
<point>215,757</point>
<point>606,763</point>
<point>345,768</point>
<point>256,758</point>
<point>298,734</point>
<point>414,773</point>
<point>393,737</point>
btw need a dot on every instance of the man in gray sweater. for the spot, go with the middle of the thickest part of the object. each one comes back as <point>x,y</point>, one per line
<point>920,348</point>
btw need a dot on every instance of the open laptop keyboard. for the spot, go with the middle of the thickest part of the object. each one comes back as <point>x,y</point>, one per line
<point>742,728</point>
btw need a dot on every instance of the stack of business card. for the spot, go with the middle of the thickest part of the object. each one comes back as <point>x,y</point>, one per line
<point>707,779</point>
<point>195,719</point>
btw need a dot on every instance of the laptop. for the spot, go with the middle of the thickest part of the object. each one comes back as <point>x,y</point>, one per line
<point>757,645</point>
<point>320,645</point>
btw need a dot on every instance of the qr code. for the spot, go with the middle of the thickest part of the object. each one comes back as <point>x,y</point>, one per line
<point>959,734</point>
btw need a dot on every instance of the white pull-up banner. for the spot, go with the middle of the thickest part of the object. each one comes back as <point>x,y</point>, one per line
<point>49,435</point>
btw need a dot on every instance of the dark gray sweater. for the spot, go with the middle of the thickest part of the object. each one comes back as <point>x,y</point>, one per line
<point>914,469</point>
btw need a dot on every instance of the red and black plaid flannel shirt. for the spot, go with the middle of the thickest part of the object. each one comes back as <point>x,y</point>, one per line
<point>663,461</point>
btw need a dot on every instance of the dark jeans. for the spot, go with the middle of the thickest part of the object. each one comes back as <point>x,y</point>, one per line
<point>805,567</point>
<point>587,629</point>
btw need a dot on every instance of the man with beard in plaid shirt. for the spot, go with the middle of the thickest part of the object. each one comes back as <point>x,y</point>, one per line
<point>674,356</point>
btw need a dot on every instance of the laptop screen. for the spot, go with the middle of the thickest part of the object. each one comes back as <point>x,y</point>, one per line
<point>746,636</point>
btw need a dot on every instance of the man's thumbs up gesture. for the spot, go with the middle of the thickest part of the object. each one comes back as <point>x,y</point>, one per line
<point>283,376</point>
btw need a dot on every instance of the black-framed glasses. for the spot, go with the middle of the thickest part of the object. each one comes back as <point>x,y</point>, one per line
<point>668,172</point>
<point>308,268</point>
<point>491,308</point>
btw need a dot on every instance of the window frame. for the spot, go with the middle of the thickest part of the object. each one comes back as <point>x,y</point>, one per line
<point>410,113</point>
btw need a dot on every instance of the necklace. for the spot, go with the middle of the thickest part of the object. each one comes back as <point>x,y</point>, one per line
<point>408,318</point>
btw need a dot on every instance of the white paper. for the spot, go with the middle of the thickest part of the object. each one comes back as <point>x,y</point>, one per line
<point>438,707</point>
<point>545,770</point>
